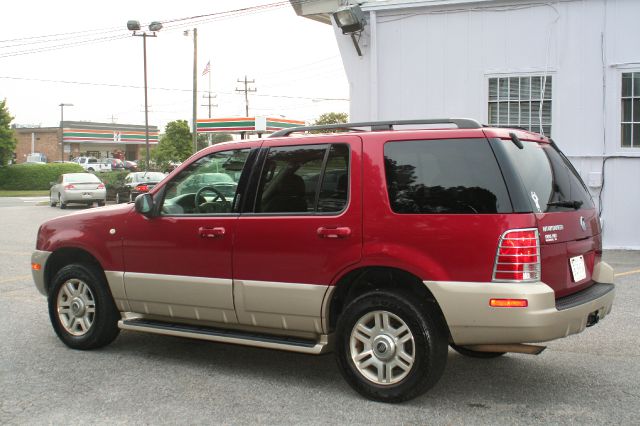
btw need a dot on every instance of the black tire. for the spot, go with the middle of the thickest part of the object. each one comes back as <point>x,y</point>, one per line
<point>104,321</point>
<point>429,345</point>
<point>101,203</point>
<point>475,354</point>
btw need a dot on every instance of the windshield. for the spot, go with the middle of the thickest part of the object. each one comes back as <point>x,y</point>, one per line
<point>551,182</point>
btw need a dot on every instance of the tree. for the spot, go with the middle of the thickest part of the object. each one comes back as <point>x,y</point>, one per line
<point>174,144</point>
<point>331,118</point>
<point>8,139</point>
<point>203,139</point>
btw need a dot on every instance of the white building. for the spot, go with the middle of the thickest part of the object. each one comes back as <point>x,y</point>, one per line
<point>490,60</point>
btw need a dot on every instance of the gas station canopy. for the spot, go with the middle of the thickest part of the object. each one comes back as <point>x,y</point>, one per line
<point>245,125</point>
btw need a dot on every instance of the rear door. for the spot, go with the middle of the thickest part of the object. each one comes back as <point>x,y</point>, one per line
<point>303,228</point>
<point>567,219</point>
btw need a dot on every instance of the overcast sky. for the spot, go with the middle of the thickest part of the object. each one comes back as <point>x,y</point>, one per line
<point>295,61</point>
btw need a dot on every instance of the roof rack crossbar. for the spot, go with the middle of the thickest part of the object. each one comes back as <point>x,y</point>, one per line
<point>461,123</point>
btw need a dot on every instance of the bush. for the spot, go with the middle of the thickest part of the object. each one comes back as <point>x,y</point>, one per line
<point>112,181</point>
<point>34,176</point>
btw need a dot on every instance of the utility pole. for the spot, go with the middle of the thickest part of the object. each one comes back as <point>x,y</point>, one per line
<point>195,89</point>
<point>209,104</point>
<point>246,91</point>
<point>62,105</point>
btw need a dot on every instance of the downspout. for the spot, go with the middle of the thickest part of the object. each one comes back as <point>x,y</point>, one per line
<point>373,63</point>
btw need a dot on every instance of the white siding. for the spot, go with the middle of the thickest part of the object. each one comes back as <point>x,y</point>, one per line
<point>435,62</point>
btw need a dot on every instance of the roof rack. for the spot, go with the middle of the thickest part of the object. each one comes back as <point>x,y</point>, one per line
<point>461,123</point>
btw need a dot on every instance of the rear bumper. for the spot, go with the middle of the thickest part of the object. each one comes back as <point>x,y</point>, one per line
<point>471,320</point>
<point>79,197</point>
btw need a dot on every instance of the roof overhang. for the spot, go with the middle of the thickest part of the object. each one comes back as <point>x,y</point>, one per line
<point>321,10</point>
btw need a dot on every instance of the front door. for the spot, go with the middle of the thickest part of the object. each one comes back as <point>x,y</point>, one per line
<point>302,231</point>
<point>178,263</point>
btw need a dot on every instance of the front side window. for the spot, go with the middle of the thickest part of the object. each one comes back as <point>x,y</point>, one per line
<point>523,102</point>
<point>630,110</point>
<point>206,186</point>
<point>304,179</point>
<point>454,176</point>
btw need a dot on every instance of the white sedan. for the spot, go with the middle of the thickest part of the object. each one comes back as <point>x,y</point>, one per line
<point>79,188</point>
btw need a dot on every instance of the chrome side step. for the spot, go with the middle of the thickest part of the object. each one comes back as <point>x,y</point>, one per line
<point>236,337</point>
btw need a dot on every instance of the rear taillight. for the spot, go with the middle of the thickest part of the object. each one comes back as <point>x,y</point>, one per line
<point>70,186</point>
<point>518,256</point>
<point>143,187</point>
<point>101,186</point>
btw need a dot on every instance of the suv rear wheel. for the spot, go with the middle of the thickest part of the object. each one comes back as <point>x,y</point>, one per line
<point>81,308</point>
<point>390,347</point>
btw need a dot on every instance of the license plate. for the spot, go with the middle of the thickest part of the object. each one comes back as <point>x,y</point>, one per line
<point>578,270</point>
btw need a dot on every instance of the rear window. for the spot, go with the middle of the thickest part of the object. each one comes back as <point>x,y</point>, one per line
<point>81,178</point>
<point>454,176</point>
<point>548,177</point>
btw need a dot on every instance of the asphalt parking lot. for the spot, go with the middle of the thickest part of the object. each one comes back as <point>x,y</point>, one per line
<point>591,378</point>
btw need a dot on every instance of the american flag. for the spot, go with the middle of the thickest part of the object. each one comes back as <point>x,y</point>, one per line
<point>207,68</point>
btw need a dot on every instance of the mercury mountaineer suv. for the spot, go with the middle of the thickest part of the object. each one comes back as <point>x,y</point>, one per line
<point>384,245</point>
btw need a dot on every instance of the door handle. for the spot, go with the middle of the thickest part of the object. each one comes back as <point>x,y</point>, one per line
<point>217,232</point>
<point>340,232</point>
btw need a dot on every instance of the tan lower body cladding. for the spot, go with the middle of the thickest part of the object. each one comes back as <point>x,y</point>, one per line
<point>257,304</point>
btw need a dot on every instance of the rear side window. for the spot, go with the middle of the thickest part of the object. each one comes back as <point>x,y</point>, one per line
<point>452,176</point>
<point>548,177</point>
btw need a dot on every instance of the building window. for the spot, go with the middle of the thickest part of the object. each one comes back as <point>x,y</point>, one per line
<point>521,102</point>
<point>630,110</point>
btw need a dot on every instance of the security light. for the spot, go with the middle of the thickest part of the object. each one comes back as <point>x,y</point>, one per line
<point>350,19</point>
<point>133,25</point>
<point>155,26</point>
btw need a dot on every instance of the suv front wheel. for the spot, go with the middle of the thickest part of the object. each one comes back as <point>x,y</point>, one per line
<point>81,308</point>
<point>391,347</point>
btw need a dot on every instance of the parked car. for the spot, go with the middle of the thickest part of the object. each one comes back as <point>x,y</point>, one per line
<point>92,164</point>
<point>483,239</point>
<point>131,166</point>
<point>77,188</point>
<point>221,182</point>
<point>116,164</point>
<point>136,184</point>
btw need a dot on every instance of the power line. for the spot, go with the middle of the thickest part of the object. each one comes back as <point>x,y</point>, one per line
<point>170,89</point>
<point>48,42</point>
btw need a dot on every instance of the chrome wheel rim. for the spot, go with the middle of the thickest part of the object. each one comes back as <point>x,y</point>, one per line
<point>76,307</point>
<point>382,347</point>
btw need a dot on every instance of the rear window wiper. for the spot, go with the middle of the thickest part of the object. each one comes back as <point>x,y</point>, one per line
<point>567,203</point>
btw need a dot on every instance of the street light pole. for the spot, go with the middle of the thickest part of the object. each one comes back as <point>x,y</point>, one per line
<point>195,89</point>
<point>153,27</point>
<point>62,105</point>
<point>146,104</point>
<point>194,128</point>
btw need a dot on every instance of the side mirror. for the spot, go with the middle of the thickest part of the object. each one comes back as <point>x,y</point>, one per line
<point>144,204</point>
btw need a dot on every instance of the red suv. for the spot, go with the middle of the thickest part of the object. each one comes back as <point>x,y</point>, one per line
<point>382,244</point>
